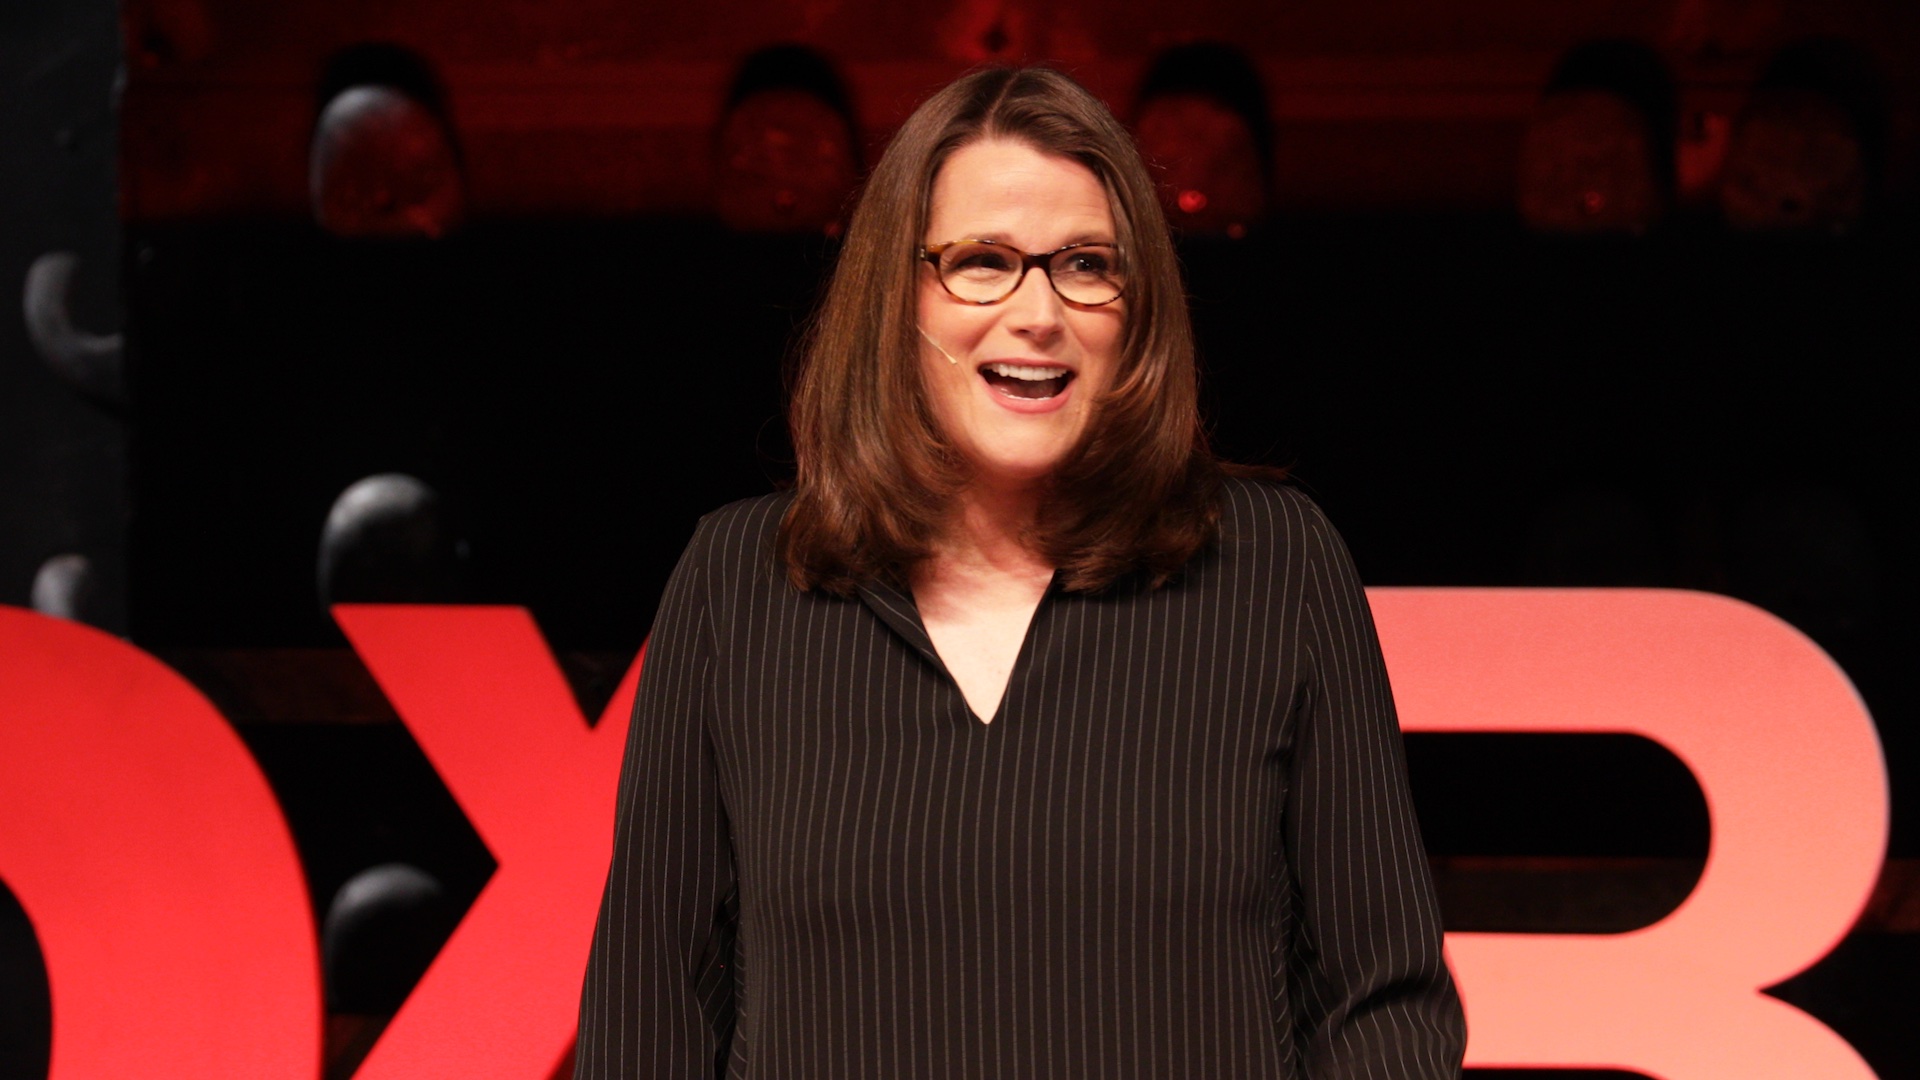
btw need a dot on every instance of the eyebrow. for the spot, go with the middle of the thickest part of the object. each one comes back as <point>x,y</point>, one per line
<point>999,237</point>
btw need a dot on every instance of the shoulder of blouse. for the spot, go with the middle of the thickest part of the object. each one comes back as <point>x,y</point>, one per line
<point>1267,514</point>
<point>759,514</point>
<point>735,543</point>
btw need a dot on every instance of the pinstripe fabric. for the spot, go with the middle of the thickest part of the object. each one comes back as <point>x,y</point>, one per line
<point>1183,848</point>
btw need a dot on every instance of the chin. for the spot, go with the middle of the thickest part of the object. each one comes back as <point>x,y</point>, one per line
<point>1016,455</point>
<point>1020,470</point>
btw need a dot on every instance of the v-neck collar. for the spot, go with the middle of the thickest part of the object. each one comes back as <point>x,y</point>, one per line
<point>896,608</point>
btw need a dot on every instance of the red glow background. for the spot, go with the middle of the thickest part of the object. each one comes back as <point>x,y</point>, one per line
<point>1653,392</point>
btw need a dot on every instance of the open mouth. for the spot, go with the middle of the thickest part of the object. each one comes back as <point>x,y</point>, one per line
<point>1026,381</point>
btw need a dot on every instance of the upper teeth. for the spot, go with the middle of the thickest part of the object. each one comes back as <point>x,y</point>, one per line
<point>1022,371</point>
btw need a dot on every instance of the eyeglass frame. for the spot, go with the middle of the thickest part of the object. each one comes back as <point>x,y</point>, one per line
<point>930,254</point>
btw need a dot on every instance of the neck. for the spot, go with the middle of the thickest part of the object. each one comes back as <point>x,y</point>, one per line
<point>989,529</point>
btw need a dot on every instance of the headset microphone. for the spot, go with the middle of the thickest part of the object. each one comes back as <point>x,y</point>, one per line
<point>935,344</point>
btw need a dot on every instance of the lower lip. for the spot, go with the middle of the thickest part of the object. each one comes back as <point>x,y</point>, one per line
<point>1029,405</point>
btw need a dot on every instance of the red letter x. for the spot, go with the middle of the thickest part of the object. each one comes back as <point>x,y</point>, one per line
<point>481,694</point>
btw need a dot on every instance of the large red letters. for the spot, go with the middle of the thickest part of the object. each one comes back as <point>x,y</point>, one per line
<point>152,859</point>
<point>1795,789</point>
<point>483,698</point>
<point>165,891</point>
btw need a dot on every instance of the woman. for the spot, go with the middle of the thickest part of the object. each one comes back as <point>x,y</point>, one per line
<point>1019,740</point>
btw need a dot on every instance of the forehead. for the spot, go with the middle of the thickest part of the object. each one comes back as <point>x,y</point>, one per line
<point>1004,189</point>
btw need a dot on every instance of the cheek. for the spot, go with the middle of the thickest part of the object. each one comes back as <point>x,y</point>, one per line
<point>944,383</point>
<point>957,329</point>
<point>1102,340</point>
<point>926,307</point>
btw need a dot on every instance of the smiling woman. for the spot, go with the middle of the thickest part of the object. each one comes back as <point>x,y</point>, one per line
<point>1021,369</point>
<point>887,442</point>
<point>1023,738</point>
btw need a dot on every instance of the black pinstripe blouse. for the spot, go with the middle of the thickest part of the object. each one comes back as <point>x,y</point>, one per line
<point>1182,849</point>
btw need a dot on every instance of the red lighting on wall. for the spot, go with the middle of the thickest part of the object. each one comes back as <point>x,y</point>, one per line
<point>1208,164</point>
<point>785,163</point>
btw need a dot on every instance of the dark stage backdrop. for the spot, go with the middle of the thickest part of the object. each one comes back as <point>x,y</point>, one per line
<point>62,458</point>
<point>592,359</point>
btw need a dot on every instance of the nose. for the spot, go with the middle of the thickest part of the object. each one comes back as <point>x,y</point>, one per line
<point>1034,310</point>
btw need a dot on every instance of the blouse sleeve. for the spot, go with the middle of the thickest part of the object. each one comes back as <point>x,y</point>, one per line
<point>658,997</point>
<point>1373,994</point>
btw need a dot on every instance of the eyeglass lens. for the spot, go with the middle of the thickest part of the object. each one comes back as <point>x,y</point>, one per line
<point>983,272</point>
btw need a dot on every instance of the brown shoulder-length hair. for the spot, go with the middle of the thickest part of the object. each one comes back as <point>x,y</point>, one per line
<point>877,476</point>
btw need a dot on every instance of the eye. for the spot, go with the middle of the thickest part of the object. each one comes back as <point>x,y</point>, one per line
<point>978,260</point>
<point>1095,262</point>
